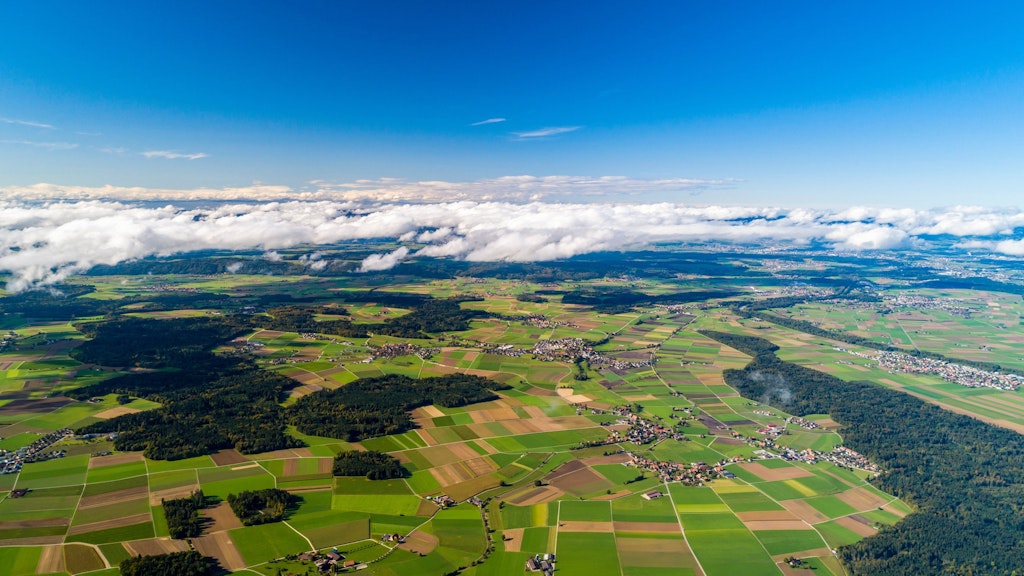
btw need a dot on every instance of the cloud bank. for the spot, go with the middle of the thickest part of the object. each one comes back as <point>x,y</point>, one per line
<point>41,243</point>
<point>521,188</point>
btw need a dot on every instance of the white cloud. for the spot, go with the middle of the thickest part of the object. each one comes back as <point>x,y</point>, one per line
<point>488,121</point>
<point>522,188</point>
<point>47,145</point>
<point>27,123</point>
<point>545,132</point>
<point>170,155</point>
<point>377,262</point>
<point>42,242</point>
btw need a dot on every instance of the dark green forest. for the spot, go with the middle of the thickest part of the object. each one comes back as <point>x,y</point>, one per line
<point>379,406</point>
<point>213,402</point>
<point>182,515</point>
<point>261,506</point>
<point>209,402</point>
<point>175,564</point>
<point>372,464</point>
<point>965,477</point>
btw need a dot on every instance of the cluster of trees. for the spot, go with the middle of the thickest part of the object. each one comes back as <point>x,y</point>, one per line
<point>190,563</point>
<point>380,406</point>
<point>182,515</point>
<point>261,506</point>
<point>965,477</point>
<point>296,319</point>
<point>47,306</point>
<point>430,316</point>
<point>374,465</point>
<point>615,300</point>
<point>72,302</point>
<point>534,297</point>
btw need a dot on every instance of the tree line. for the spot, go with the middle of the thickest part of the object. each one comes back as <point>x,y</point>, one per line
<point>190,563</point>
<point>964,477</point>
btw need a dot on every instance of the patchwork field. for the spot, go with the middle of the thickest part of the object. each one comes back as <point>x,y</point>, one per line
<point>549,456</point>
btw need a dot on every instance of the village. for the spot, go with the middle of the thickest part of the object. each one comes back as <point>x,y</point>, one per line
<point>948,371</point>
<point>12,461</point>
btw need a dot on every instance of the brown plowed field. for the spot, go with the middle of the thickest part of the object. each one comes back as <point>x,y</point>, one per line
<point>51,560</point>
<point>115,412</point>
<point>778,525</point>
<point>611,459</point>
<point>136,493</point>
<point>226,457</point>
<point>112,523</point>
<point>658,527</point>
<point>580,482</point>
<point>766,515</point>
<point>577,526</point>
<point>513,538</point>
<point>771,474</point>
<point>425,434</point>
<point>862,499</point>
<point>222,518</point>
<point>171,493</point>
<point>804,511</point>
<point>856,527</point>
<point>34,541</point>
<point>36,405</point>
<point>567,468</point>
<point>40,523</point>
<point>540,495</point>
<point>462,452</point>
<point>115,459</point>
<point>155,546</point>
<point>221,547</point>
<point>420,542</point>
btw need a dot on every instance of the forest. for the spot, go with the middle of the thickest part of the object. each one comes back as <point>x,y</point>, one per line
<point>238,407</point>
<point>965,477</point>
<point>175,564</point>
<point>182,515</point>
<point>379,406</point>
<point>213,402</point>
<point>254,507</point>
<point>372,464</point>
<point>615,300</point>
<point>303,319</point>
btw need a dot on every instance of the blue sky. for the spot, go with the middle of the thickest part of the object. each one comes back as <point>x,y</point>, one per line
<point>812,103</point>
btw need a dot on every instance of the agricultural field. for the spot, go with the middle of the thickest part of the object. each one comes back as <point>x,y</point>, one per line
<point>550,457</point>
<point>1003,408</point>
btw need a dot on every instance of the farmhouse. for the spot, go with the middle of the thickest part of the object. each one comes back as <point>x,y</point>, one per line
<point>653,494</point>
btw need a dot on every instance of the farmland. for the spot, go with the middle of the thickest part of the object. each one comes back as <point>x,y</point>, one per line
<point>557,458</point>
